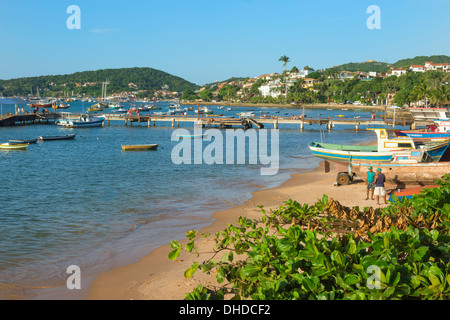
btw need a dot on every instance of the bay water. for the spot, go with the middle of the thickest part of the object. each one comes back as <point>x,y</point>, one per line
<point>86,202</point>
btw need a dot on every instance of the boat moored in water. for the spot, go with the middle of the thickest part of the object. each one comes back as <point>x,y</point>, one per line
<point>48,138</point>
<point>83,121</point>
<point>22,141</point>
<point>13,146</point>
<point>140,147</point>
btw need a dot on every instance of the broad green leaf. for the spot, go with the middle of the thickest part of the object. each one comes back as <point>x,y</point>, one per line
<point>191,270</point>
<point>174,254</point>
<point>351,247</point>
<point>351,279</point>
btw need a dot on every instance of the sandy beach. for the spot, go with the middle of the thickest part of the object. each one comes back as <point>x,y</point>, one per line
<point>155,277</point>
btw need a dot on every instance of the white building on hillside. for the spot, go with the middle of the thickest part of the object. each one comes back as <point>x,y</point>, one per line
<point>398,72</point>
<point>417,68</point>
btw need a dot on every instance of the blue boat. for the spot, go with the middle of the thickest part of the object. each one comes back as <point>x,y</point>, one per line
<point>439,130</point>
<point>386,148</point>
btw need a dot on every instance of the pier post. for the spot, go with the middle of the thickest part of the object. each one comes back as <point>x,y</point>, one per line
<point>149,121</point>
<point>329,126</point>
<point>302,125</point>
<point>173,123</point>
<point>275,124</point>
<point>126,121</point>
<point>356,126</point>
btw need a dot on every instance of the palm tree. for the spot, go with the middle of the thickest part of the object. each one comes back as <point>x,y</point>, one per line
<point>440,95</point>
<point>285,60</point>
<point>421,91</point>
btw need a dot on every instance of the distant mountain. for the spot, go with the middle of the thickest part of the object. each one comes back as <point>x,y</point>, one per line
<point>90,82</point>
<point>420,60</point>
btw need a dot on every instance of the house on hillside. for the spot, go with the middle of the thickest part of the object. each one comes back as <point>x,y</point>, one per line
<point>275,88</point>
<point>308,83</point>
<point>344,75</point>
<point>398,72</point>
<point>417,68</point>
<point>430,66</point>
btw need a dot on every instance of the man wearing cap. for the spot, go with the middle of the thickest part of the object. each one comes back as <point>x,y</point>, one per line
<point>370,182</point>
<point>380,179</point>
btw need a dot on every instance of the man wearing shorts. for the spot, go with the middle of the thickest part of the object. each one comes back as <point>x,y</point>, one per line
<point>380,179</point>
<point>370,182</point>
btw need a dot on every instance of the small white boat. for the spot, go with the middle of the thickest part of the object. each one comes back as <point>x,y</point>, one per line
<point>246,114</point>
<point>84,121</point>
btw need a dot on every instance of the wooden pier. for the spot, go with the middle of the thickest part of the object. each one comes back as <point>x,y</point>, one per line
<point>259,122</point>
<point>28,118</point>
<point>220,122</point>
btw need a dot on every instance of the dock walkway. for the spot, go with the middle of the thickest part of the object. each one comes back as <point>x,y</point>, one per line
<point>220,122</point>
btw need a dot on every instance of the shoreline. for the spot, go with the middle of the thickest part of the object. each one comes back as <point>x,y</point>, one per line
<point>280,105</point>
<point>155,277</point>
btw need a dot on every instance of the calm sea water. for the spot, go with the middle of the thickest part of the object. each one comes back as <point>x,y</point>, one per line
<point>86,202</point>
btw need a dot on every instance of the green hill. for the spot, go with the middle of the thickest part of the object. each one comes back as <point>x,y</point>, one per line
<point>420,60</point>
<point>364,66</point>
<point>90,82</point>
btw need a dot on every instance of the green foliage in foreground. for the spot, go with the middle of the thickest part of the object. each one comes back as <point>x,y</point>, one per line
<point>270,260</point>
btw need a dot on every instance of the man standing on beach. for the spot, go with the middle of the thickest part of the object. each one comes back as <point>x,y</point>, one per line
<point>370,182</point>
<point>380,179</point>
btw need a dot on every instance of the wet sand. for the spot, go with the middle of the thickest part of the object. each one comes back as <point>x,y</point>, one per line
<point>155,277</point>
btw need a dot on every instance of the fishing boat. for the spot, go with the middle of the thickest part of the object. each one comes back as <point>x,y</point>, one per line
<point>114,106</point>
<point>48,138</point>
<point>60,105</point>
<point>23,141</point>
<point>13,146</point>
<point>175,110</point>
<point>439,129</point>
<point>204,110</point>
<point>246,114</point>
<point>410,192</point>
<point>140,147</point>
<point>41,104</point>
<point>84,121</point>
<point>120,110</point>
<point>421,114</point>
<point>403,173</point>
<point>384,151</point>
<point>96,107</point>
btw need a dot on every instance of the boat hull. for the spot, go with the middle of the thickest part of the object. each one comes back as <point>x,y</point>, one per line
<point>349,154</point>
<point>49,138</point>
<point>23,141</point>
<point>141,147</point>
<point>401,174</point>
<point>424,135</point>
<point>12,146</point>
<point>82,124</point>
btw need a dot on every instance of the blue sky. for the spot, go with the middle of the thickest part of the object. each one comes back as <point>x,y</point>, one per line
<point>204,41</point>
